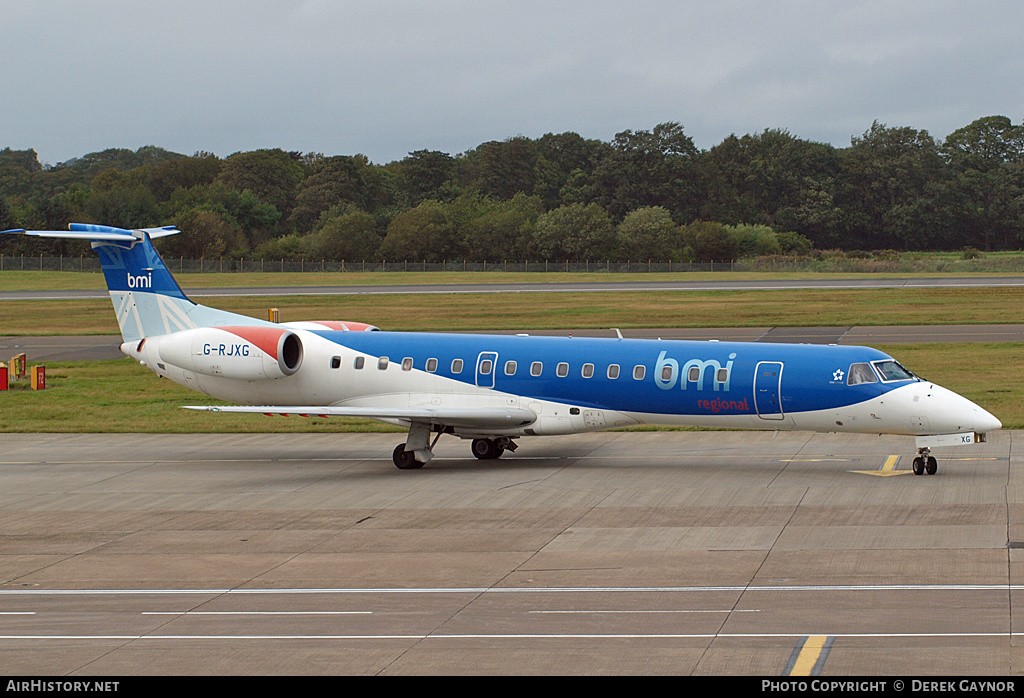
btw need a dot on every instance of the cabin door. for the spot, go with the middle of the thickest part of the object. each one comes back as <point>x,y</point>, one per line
<point>486,367</point>
<point>767,389</point>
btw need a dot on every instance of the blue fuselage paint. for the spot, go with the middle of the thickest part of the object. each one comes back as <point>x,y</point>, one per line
<point>677,377</point>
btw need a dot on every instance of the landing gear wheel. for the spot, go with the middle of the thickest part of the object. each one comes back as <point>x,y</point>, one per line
<point>931,465</point>
<point>486,449</point>
<point>919,466</point>
<point>405,460</point>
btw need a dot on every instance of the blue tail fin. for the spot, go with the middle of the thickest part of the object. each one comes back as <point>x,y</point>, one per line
<point>147,299</point>
<point>132,264</point>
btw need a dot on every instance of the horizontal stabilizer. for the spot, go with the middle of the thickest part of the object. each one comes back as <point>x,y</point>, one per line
<point>98,233</point>
<point>469,418</point>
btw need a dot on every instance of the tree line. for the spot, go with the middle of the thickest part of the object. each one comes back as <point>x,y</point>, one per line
<point>646,195</point>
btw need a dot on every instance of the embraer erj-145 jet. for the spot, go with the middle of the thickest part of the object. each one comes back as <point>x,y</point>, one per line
<point>493,389</point>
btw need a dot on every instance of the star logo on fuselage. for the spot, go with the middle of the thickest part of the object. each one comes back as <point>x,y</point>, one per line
<point>838,375</point>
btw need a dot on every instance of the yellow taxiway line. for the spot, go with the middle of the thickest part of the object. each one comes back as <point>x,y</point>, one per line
<point>809,655</point>
<point>888,469</point>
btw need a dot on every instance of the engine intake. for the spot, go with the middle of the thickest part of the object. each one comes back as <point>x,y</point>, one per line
<point>289,353</point>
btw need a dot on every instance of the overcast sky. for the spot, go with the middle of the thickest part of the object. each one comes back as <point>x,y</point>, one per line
<point>386,77</point>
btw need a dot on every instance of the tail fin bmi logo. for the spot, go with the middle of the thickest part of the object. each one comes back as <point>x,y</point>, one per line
<point>140,281</point>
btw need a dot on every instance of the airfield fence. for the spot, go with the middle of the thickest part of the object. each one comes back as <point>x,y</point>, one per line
<point>907,263</point>
<point>183,264</point>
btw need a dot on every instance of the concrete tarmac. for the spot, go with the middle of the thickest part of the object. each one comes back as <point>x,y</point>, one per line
<point>669,552</point>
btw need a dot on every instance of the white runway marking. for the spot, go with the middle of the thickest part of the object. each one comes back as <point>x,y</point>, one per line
<point>522,590</point>
<point>723,610</point>
<point>256,613</point>
<point>518,636</point>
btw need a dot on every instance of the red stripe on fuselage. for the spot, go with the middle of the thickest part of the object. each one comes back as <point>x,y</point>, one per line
<point>266,338</point>
<point>342,326</point>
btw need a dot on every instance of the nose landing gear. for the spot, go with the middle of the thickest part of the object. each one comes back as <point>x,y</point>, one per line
<point>925,463</point>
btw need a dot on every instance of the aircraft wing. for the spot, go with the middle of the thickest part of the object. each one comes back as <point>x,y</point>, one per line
<point>501,418</point>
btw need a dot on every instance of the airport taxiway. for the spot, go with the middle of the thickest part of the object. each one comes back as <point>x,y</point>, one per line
<point>667,552</point>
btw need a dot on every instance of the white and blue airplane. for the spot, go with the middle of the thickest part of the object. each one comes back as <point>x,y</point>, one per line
<point>493,389</point>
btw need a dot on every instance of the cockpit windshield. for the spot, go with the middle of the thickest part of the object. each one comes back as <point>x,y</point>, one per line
<point>861,373</point>
<point>891,371</point>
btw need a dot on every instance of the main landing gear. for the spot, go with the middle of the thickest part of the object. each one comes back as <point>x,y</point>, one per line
<point>488,449</point>
<point>925,463</point>
<point>417,449</point>
<point>407,458</point>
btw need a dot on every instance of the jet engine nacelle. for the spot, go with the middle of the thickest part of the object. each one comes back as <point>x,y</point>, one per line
<point>247,353</point>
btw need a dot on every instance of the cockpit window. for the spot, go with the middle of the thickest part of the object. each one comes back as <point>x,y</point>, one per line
<point>861,373</point>
<point>892,371</point>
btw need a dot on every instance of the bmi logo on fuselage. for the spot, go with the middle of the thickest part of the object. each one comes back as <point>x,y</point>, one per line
<point>666,373</point>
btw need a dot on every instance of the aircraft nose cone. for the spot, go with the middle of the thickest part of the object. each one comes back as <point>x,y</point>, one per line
<point>951,413</point>
<point>985,421</point>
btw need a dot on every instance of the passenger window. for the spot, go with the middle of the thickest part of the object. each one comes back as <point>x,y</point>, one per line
<point>358,363</point>
<point>588,370</point>
<point>407,363</point>
<point>510,368</point>
<point>457,366</point>
<point>639,372</point>
<point>562,370</point>
<point>722,375</point>
<point>382,363</point>
<point>861,373</point>
<point>666,373</point>
<point>535,368</point>
<point>485,367</point>
<point>694,375</point>
<point>431,365</point>
<point>613,371</point>
<point>335,362</point>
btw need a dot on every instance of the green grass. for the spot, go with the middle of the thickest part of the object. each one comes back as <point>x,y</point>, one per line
<point>120,396</point>
<point>527,311</point>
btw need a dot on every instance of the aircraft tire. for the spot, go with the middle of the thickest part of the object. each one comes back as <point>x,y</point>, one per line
<point>919,466</point>
<point>405,460</point>
<point>931,465</point>
<point>486,449</point>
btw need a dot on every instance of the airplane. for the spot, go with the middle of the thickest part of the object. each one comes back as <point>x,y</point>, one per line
<point>495,389</point>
